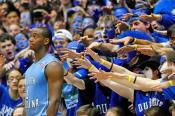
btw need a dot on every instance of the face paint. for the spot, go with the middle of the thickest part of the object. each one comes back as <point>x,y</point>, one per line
<point>21,41</point>
<point>110,33</point>
<point>77,24</point>
<point>148,72</point>
<point>109,30</point>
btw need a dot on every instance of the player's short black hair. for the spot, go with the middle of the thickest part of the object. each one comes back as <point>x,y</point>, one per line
<point>47,34</point>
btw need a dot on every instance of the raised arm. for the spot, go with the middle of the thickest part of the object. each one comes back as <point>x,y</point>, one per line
<point>135,82</point>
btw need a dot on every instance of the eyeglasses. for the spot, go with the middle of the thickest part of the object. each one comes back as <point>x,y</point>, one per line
<point>15,78</point>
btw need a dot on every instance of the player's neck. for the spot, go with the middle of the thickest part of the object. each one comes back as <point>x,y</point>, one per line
<point>40,54</point>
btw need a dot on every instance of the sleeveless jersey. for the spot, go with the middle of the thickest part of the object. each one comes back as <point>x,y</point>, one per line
<point>37,87</point>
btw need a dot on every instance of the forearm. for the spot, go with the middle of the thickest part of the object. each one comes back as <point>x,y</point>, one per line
<point>107,47</point>
<point>141,41</point>
<point>53,106</point>
<point>117,68</point>
<point>136,82</point>
<point>79,83</point>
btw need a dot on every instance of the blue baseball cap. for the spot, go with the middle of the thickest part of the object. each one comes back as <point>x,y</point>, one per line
<point>74,45</point>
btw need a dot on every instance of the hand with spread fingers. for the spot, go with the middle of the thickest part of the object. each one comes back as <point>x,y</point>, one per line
<point>100,75</point>
<point>93,54</point>
<point>9,66</point>
<point>127,16</point>
<point>94,45</point>
<point>150,18</point>
<point>120,27</point>
<point>126,49</point>
<point>82,63</point>
<point>124,40</point>
<point>68,54</point>
<point>146,51</point>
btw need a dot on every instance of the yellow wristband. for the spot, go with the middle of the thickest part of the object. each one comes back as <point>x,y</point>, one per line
<point>91,68</point>
<point>102,61</point>
<point>129,78</point>
<point>171,83</point>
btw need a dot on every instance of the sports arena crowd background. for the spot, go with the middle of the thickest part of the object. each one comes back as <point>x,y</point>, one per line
<point>118,55</point>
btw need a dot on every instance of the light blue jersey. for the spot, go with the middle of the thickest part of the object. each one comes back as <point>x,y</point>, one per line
<point>37,87</point>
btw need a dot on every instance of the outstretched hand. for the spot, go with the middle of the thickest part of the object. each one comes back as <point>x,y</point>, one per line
<point>125,49</point>
<point>82,63</point>
<point>150,18</point>
<point>124,40</point>
<point>66,53</point>
<point>93,54</point>
<point>100,75</point>
<point>146,51</point>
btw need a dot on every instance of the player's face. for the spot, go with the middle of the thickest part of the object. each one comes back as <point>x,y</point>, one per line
<point>21,88</point>
<point>8,49</point>
<point>36,40</point>
<point>13,78</point>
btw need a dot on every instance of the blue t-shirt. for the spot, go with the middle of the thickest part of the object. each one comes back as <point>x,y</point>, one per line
<point>145,100</point>
<point>7,104</point>
<point>169,93</point>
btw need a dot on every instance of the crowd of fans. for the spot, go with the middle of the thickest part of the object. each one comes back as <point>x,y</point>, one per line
<point>118,55</point>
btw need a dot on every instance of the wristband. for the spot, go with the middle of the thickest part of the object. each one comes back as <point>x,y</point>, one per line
<point>171,83</point>
<point>135,79</point>
<point>91,68</point>
<point>129,78</point>
<point>111,66</point>
<point>102,61</point>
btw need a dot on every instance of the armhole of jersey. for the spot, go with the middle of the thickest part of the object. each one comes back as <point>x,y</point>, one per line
<point>46,67</point>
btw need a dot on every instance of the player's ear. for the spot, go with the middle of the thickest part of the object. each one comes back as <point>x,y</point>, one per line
<point>46,41</point>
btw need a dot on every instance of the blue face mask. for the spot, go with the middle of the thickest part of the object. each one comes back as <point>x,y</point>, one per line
<point>110,33</point>
<point>21,41</point>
